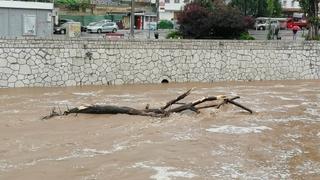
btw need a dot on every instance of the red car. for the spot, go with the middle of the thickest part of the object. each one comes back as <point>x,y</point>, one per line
<point>302,23</point>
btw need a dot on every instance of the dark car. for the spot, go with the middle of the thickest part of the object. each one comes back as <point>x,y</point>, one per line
<point>61,27</point>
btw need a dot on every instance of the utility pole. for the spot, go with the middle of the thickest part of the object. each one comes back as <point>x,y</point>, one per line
<point>132,20</point>
<point>157,6</point>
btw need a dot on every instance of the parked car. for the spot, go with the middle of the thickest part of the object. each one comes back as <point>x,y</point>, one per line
<point>264,24</point>
<point>302,23</point>
<point>103,27</point>
<point>84,28</point>
<point>61,27</point>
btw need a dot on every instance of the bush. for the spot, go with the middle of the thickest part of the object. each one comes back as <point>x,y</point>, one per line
<point>174,35</point>
<point>202,22</point>
<point>246,36</point>
<point>165,24</point>
<point>227,22</point>
<point>194,21</point>
<point>249,22</point>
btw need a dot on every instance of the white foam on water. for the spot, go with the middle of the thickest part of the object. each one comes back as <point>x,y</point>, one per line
<point>85,94</point>
<point>118,147</point>
<point>279,109</point>
<point>232,170</point>
<point>14,111</point>
<point>164,172</point>
<point>4,165</point>
<point>288,98</point>
<point>77,153</point>
<point>53,93</point>
<point>184,134</point>
<point>312,111</point>
<point>309,167</point>
<point>229,129</point>
<point>293,136</point>
<point>63,102</point>
<point>289,119</point>
<point>279,85</point>
<point>312,108</point>
<point>89,153</point>
<point>8,97</point>
<point>237,170</point>
<point>183,137</point>
<point>291,105</point>
<point>125,95</point>
<point>285,155</point>
<point>307,90</point>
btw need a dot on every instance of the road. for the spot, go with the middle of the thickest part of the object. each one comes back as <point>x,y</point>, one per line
<point>284,34</point>
<point>145,34</point>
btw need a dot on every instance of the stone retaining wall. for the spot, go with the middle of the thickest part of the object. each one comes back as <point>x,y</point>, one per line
<point>68,62</point>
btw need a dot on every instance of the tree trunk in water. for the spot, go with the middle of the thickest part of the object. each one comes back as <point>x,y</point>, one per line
<point>163,111</point>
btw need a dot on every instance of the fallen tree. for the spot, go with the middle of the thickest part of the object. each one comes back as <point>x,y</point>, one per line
<point>164,111</point>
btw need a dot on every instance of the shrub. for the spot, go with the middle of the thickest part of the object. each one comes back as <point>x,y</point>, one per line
<point>165,24</point>
<point>246,36</point>
<point>221,21</point>
<point>194,21</point>
<point>174,35</point>
<point>227,22</point>
<point>249,22</point>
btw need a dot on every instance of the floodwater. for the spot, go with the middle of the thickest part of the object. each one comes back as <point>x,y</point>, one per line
<point>281,140</point>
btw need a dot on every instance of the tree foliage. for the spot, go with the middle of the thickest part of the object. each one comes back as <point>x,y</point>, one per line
<point>258,8</point>
<point>311,9</point>
<point>205,3</point>
<point>199,21</point>
<point>194,21</point>
<point>74,4</point>
<point>165,24</point>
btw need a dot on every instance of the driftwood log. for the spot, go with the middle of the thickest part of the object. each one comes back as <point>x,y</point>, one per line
<point>173,106</point>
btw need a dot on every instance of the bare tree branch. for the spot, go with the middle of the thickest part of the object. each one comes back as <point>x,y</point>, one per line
<point>158,112</point>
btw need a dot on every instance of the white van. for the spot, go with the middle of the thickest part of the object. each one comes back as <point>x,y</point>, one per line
<point>262,23</point>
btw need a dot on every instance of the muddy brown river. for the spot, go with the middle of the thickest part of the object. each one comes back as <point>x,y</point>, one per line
<point>281,140</point>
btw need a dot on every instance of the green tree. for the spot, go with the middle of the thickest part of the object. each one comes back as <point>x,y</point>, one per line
<point>311,9</point>
<point>205,3</point>
<point>274,8</point>
<point>258,8</point>
<point>74,4</point>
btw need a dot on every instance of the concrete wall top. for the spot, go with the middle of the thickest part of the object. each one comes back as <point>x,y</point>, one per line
<point>81,43</point>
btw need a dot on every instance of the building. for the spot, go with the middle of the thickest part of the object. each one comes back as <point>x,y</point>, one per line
<point>169,9</point>
<point>21,18</point>
<point>145,15</point>
<point>290,7</point>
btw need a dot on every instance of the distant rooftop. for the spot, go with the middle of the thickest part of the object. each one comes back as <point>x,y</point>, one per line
<point>44,1</point>
<point>26,4</point>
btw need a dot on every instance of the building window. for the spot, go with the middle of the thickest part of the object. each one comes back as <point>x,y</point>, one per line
<point>292,3</point>
<point>285,3</point>
<point>177,1</point>
<point>29,24</point>
<point>167,1</point>
<point>186,1</point>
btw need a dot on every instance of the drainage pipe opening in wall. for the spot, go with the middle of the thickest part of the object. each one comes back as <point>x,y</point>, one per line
<point>164,81</point>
